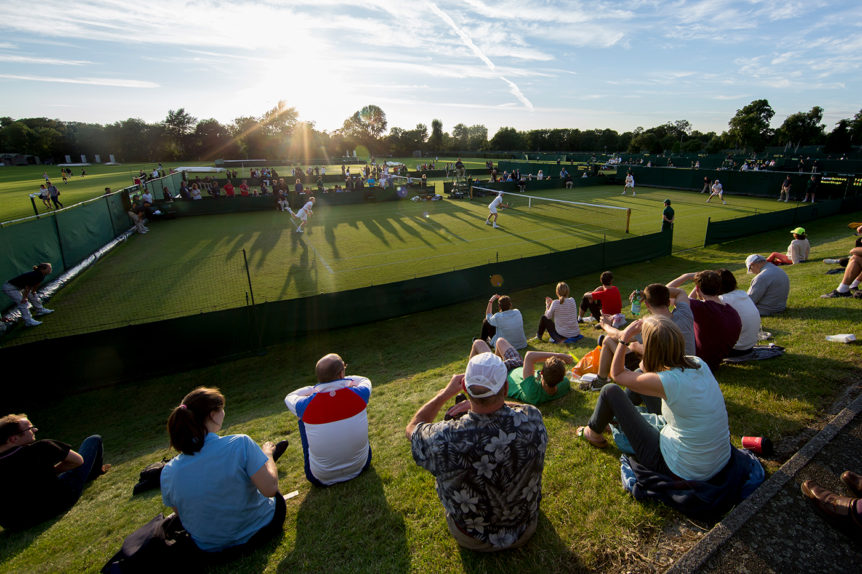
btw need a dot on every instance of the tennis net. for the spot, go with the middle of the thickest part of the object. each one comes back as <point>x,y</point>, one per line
<point>584,214</point>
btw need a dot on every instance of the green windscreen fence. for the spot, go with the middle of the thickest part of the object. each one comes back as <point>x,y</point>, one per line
<point>757,183</point>
<point>26,244</point>
<point>721,231</point>
<point>63,238</point>
<point>82,231</point>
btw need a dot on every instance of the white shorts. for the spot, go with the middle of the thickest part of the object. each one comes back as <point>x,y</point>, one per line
<point>303,216</point>
<point>493,211</point>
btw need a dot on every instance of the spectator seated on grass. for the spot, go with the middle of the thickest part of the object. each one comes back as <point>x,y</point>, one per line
<point>525,383</point>
<point>747,310</point>
<point>797,251</point>
<point>689,463</point>
<point>40,479</point>
<point>223,488</point>
<point>770,287</point>
<point>604,299</point>
<point>490,486</point>
<point>657,299</point>
<point>333,423</point>
<point>560,318</point>
<point>716,325</point>
<point>852,273</point>
<point>507,323</point>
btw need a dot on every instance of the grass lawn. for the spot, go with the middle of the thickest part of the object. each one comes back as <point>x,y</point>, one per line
<point>389,519</point>
<point>18,182</point>
<point>193,265</point>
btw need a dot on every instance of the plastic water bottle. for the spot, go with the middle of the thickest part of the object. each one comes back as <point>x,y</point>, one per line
<point>636,304</point>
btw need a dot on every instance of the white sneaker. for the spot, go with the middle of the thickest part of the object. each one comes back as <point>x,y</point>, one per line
<point>623,193</point>
<point>32,323</point>
<point>43,311</point>
<point>779,199</point>
<point>487,222</point>
<point>495,226</point>
<point>298,230</point>
<point>785,201</point>
<point>634,194</point>
<point>723,202</point>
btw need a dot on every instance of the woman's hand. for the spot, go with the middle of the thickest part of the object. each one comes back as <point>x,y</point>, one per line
<point>631,331</point>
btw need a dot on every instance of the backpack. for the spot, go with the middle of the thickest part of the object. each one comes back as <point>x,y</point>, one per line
<point>161,541</point>
<point>150,477</point>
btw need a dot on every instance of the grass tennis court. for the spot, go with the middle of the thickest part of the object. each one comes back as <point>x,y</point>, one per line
<point>389,519</point>
<point>195,264</point>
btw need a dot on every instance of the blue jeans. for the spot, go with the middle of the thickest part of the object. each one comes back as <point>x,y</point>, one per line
<point>91,451</point>
<point>644,438</point>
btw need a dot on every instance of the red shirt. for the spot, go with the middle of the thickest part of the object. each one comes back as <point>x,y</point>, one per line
<point>610,299</point>
<point>243,189</point>
<point>228,189</point>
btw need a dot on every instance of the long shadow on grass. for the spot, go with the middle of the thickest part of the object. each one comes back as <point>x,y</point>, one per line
<point>13,542</point>
<point>348,527</point>
<point>544,552</point>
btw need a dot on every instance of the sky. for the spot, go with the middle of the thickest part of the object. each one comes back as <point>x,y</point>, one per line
<point>527,64</point>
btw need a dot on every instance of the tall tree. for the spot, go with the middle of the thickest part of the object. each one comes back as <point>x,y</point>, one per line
<point>435,142</point>
<point>280,120</point>
<point>178,124</point>
<point>749,128</point>
<point>802,128</point>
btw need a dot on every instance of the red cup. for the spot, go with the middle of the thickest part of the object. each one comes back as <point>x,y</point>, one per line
<point>757,444</point>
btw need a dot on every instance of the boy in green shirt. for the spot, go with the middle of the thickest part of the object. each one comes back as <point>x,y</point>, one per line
<point>525,384</point>
<point>535,387</point>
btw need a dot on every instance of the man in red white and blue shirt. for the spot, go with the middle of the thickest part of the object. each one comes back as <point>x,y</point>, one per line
<point>333,423</point>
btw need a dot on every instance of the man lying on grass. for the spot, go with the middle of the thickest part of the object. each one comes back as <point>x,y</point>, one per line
<point>488,463</point>
<point>526,384</point>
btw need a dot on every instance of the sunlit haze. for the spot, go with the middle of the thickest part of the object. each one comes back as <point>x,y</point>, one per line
<point>521,63</point>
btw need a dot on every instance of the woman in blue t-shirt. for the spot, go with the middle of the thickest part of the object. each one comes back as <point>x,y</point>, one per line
<point>695,442</point>
<point>223,488</point>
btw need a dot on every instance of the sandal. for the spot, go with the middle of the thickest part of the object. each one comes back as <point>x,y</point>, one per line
<point>600,442</point>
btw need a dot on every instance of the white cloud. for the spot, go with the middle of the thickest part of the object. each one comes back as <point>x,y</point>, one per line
<point>108,82</point>
<point>17,59</point>
<point>465,38</point>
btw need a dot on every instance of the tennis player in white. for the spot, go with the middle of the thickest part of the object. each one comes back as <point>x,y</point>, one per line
<point>717,189</point>
<point>303,214</point>
<point>630,183</point>
<point>492,209</point>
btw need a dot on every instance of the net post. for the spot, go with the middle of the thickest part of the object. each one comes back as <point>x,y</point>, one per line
<point>628,218</point>
<point>33,202</point>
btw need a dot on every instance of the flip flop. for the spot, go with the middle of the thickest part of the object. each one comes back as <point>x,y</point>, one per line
<point>582,434</point>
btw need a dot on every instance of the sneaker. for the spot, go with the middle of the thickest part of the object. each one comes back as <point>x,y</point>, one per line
<point>623,193</point>
<point>588,319</point>
<point>298,230</point>
<point>32,323</point>
<point>634,194</point>
<point>785,201</point>
<point>724,202</point>
<point>831,261</point>
<point>496,226</point>
<point>835,294</point>
<point>779,199</point>
<point>487,222</point>
<point>43,311</point>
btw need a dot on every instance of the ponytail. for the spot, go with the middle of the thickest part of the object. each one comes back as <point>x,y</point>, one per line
<point>187,422</point>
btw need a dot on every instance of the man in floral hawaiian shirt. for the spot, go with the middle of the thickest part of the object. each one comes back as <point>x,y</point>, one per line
<point>488,463</point>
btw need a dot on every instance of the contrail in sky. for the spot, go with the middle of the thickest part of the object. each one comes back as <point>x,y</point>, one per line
<point>513,88</point>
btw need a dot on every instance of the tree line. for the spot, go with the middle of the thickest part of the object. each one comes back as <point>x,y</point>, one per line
<point>280,134</point>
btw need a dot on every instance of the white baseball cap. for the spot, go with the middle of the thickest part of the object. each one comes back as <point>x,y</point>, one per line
<point>485,370</point>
